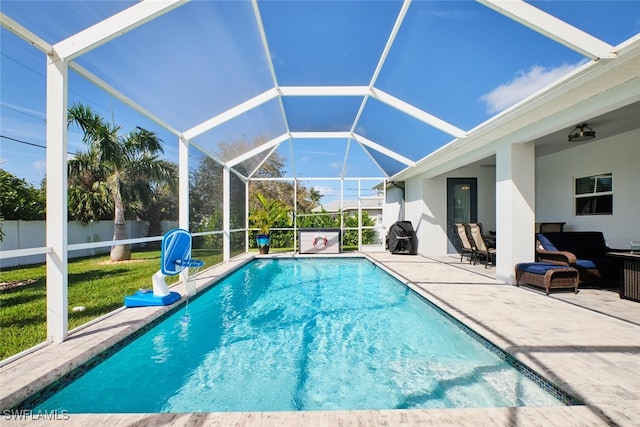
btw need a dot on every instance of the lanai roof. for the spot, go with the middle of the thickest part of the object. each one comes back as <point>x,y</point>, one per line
<point>338,89</point>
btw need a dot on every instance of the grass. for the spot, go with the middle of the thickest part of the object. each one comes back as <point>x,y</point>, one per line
<point>94,283</point>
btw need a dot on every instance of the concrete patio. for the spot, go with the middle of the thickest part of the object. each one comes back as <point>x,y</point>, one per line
<point>588,344</point>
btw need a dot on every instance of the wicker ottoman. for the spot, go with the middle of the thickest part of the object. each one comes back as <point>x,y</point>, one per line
<point>547,275</point>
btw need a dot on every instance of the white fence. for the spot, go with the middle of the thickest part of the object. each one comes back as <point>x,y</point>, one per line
<point>31,234</point>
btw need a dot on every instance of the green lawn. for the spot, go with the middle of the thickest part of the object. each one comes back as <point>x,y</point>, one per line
<point>94,283</point>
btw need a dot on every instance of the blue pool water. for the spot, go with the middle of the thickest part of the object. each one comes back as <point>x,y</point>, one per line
<point>303,334</point>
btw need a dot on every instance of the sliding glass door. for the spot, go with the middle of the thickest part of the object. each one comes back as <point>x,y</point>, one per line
<point>462,206</point>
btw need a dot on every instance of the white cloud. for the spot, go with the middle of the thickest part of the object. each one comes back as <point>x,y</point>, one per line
<point>320,153</point>
<point>40,165</point>
<point>523,85</point>
<point>451,15</point>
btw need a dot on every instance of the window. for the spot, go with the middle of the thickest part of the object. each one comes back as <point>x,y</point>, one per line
<point>594,195</point>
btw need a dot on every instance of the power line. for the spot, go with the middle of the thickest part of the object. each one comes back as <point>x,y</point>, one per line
<point>70,90</point>
<point>24,65</point>
<point>33,144</point>
<point>17,110</point>
<point>23,142</point>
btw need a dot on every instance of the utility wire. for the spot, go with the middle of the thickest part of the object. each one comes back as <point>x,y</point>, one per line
<point>24,65</point>
<point>23,142</point>
<point>18,110</point>
<point>71,91</point>
<point>33,144</point>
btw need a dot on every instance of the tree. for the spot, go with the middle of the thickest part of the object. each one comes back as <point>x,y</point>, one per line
<point>205,196</point>
<point>205,189</point>
<point>351,236</point>
<point>19,199</point>
<point>318,220</point>
<point>270,213</point>
<point>88,194</point>
<point>117,170</point>
<point>315,196</point>
<point>205,184</point>
<point>163,205</point>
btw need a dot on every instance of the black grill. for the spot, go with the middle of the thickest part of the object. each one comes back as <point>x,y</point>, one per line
<point>401,238</point>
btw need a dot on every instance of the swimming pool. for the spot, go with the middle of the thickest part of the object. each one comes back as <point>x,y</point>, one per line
<point>304,334</point>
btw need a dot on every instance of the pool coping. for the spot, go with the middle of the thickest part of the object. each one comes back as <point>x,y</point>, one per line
<point>24,377</point>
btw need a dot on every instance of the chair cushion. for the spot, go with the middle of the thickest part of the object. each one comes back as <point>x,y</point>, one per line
<point>601,263</point>
<point>583,244</point>
<point>587,264</point>
<point>546,243</point>
<point>538,267</point>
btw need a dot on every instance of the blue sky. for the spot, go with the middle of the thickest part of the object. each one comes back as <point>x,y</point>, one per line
<point>457,60</point>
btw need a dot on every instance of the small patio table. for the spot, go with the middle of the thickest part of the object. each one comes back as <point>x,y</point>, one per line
<point>630,288</point>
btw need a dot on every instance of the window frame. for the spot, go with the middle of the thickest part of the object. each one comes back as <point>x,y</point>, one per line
<point>593,195</point>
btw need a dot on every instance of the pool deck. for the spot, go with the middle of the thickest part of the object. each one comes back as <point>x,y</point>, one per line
<point>588,344</point>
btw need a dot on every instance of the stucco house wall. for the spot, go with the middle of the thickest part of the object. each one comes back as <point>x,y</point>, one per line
<point>426,206</point>
<point>426,198</point>
<point>555,176</point>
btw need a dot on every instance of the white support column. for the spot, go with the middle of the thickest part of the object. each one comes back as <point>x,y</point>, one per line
<point>56,234</point>
<point>385,210</point>
<point>342,208</point>
<point>183,192</point>
<point>359,215</point>
<point>226,209</point>
<point>246,216</point>
<point>183,183</point>
<point>295,213</point>
<point>515,208</point>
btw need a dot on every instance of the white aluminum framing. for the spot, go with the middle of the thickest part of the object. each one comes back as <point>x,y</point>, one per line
<point>231,113</point>
<point>553,28</point>
<point>61,55</point>
<point>122,97</point>
<point>25,34</point>
<point>183,183</point>
<point>57,255</point>
<point>226,221</point>
<point>113,27</point>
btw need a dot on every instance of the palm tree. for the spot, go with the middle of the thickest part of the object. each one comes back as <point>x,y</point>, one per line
<point>315,196</point>
<point>117,170</point>
<point>88,194</point>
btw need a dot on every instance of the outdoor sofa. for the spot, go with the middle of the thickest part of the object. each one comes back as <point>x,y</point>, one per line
<point>586,251</point>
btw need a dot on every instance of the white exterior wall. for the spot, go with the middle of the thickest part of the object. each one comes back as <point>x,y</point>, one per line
<point>555,175</point>
<point>394,206</point>
<point>426,199</point>
<point>434,218</point>
<point>22,235</point>
<point>486,176</point>
<point>31,234</point>
<point>426,206</point>
<point>414,209</point>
